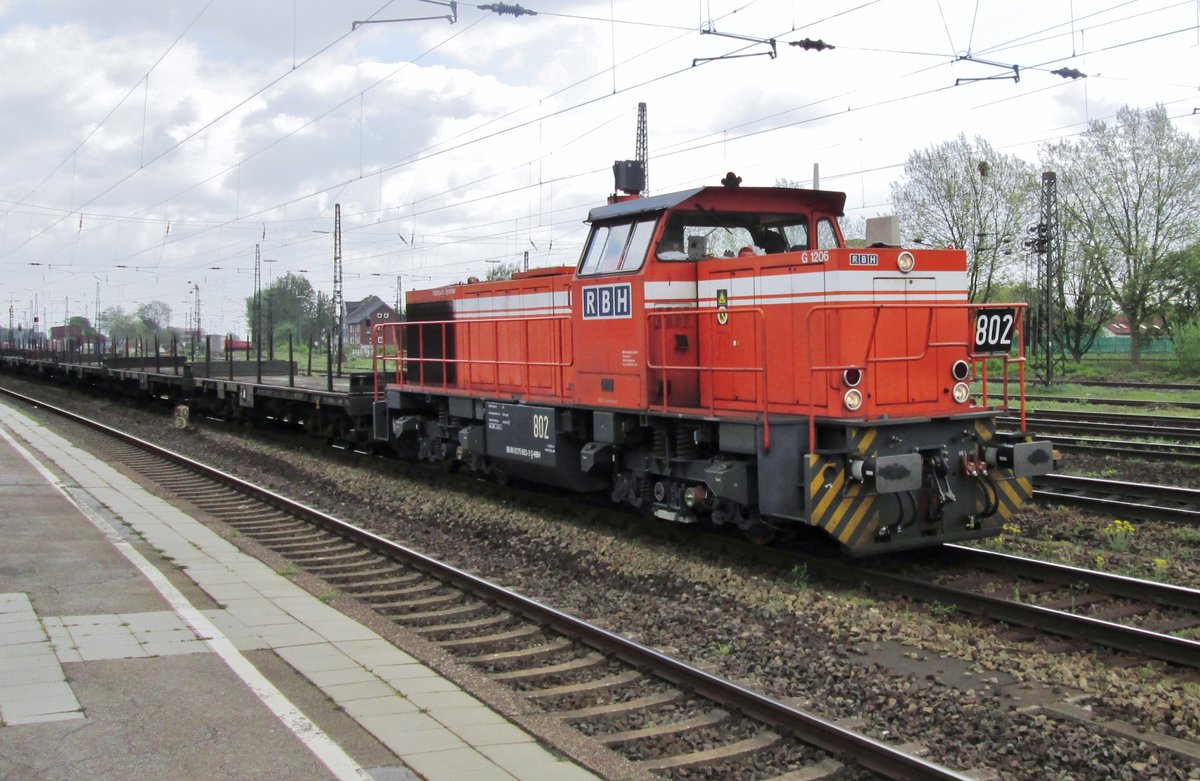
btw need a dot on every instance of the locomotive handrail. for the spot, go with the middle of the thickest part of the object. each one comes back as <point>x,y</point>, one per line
<point>466,382</point>
<point>711,369</point>
<point>930,309</point>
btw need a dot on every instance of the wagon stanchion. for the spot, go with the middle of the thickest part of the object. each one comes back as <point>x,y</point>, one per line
<point>208,355</point>
<point>174,355</point>
<point>291,363</point>
<point>229,354</point>
<point>329,360</point>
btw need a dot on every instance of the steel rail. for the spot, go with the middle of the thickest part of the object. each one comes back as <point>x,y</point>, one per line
<point>1092,426</point>
<point>1155,451</point>
<point>1182,386</point>
<point>1138,418</point>
<point>860,749</point>
<point>1099,401</point>
<point>1168,648</point>
<point>1103,493</point>
<point>1110,583</point>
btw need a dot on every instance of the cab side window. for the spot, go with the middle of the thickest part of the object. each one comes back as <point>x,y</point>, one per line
<point>620,247</point>
<point>595,248</point>
<point>614,248</point>
<point>639,243</point>
<point>826,235</point>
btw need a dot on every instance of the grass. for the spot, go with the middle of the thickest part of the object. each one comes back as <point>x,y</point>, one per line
<point>1069,390</point>
<point>1189,535</point>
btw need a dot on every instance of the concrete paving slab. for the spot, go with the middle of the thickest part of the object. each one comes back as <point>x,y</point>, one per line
<point>393,705</point>
<point>439,701</point>
<point>363,690</point>
<point>460,718</point>
<point>410,734</point>
<point>530,764</point>
<point>452,764</point>
<point>356,674</point>
<point>424,684</point>
<point>480,735</point>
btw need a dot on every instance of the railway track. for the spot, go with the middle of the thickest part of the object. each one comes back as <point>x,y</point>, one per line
<point>1174,386</point>
<point>1178,429</point>
<point>1171,423</point>
<point>1183,433</point>
<point>1143,617</point>
<point>1031,398</point>
<point>1133,500</point>
<point>1123,448</point>
<point>664,716</point>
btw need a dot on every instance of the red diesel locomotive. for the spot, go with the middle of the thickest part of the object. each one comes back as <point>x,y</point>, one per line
<point>719,354</point>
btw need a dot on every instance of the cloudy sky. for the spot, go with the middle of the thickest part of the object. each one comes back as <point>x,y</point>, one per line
<point>148,146</point>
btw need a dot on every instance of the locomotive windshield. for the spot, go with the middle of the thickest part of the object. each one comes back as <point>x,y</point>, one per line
<point>705,234</point>
<point>617,247</point>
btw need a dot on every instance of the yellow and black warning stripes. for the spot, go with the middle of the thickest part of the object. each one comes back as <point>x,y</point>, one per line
<point>985,429</point>
<point>844,509</point>
<point>861,439</point>
<point>1013,492</point>
<point>852,512</point>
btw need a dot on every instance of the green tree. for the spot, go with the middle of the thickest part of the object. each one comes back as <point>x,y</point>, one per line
<point>82,323</point>
<point>1181,295</point>
<point>967,195</point>
<point>120,325</point>
<point>501,271</point>
<point>1130,192</point>
<point>153,318</point>
<point>289,299</point>
<point>1083,305</point>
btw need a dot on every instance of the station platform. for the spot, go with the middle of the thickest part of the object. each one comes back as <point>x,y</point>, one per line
<point>137,643</point>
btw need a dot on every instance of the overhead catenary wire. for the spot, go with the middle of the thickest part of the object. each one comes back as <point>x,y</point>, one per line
<point>195,133</point>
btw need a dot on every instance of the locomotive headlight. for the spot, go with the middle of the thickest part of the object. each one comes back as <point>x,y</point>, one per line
<point>852,377</point>
<point>962,392</point>
<point>906,262</point>
<point>960,370</point>
<point>853,399</point>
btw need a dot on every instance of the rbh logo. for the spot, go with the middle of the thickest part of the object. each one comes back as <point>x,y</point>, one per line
<point>607,302</point>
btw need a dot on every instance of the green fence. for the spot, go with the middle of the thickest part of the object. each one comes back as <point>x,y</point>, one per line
<point>1119,345</point>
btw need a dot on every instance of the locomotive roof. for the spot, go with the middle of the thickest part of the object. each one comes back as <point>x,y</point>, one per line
<point>771,199</point>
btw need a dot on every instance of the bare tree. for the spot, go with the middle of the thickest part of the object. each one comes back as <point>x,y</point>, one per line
<point>1130,192</point>
<point>1083,303</point>
<point>967,195</point>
